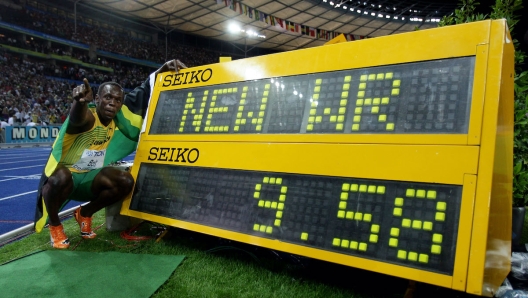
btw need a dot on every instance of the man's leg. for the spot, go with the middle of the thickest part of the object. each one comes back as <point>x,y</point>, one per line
<point>109,186</point>
<point>55,192</point>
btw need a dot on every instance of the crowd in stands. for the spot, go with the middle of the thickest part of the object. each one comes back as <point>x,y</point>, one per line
<point>38,92</point>
<point>106,40</point>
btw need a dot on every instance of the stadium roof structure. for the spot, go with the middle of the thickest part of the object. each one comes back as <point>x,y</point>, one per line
<point>286,24</point>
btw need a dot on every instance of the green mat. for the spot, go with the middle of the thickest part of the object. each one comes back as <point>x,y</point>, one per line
<point>86,274</point>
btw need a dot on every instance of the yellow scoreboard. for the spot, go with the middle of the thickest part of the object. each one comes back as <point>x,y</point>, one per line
<point>391,154</point>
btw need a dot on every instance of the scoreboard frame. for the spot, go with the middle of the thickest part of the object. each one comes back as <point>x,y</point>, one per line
<point>480,161</point>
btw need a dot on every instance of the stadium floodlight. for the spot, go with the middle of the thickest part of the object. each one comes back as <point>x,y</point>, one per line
<point>234,28</point>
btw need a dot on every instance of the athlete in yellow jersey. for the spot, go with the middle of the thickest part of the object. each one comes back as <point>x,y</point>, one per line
<point>80,174</point>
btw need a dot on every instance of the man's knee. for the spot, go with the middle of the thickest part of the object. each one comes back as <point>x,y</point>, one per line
<point>120,180</point>
<point>60,179</point>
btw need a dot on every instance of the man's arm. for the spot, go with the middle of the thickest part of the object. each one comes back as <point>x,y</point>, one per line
<point>81,119</point>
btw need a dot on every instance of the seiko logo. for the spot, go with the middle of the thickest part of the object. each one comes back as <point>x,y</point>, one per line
<point>174,154</point>
<point>191,77</point>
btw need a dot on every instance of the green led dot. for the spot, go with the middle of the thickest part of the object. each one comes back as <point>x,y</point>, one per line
<point>258,186</point>
<point>376,101</point>
<point>373,238</point>
<point>382,118</point>
<point>427,225</point>
<point>342,205</point>
<point>346,86</point>
<point>245,88</point>
<point>269,230</point>
<point>304,236</point>
<point>315,96</point>
<point>431,194</point>
<point>441,206</point>
<point>265,100</point>
<point>344,195</point>
<point>327,111</point>
<point>437,238</point>
<point>362,86</point>
<point>367,217</point>
<point>349,215</point>
<point>256,227</point>
<point>417,224</point>
<point>362,188</point>
<point>371,189</point>
<point>336,242</point>
<point>420,193</point>
<point>262,107</point>
<point>309,127</point>
<point>363,246</point>
<point>317,89</point>
<point>358,216</point>
<point>402,254</point>
<point>208,122</point>
<point>354,244</point>
<point>354,187</point>
<point>339,126</point>
<point>208,129</point>
<point>357,118</point>
<point>250,114</point>
<point>340,118</point>
<point>341,111</point>
<point>348,78</point>
<point>393,242</point>
<point>355,127</point>
<point>440,216</point>
<point>278,181</point>
<point>375,228</point>
<point>345,243</point>
<point>395,232</point>
<point>363,78</point>
<point>390,126</point>
<point>278,214</point>
<point>333,118</point>
<point>313,112</point>
<point>406,223</point>
<point>272,180</point>
<point>256,195</point>
<point>368,101</point>
<point>262,228</point>
<point>343,102</point>
<point>209,116</point>
<point>398,202</point>
<point>277,222</point>
<point>397,212</point>
<point>380,76</point>
<point>345,187</point>
<point>243,121</point>
<point>237,122</point>
<point>267,204</point>
<point>372,77</point>
<point>318,81</point>
<point>388,75</point>
<point>318,119</point>
<point>274,205</point>
<point>203,104</point>
<point>395,91</point>
<point>361,94</point>
<point>181,129</point>
<point>190,94</point>
<point>341,214</point>
<point>412,256</point>
<point>344,94</point>
<point>311,119</point>
<point>359,102</point>
<point>224,109</point>
<point>410,193</point>
<point>436,249</point>
<point>258,128</point>
<point>423,258</point>
<point>284,189</point>
<point>197,129</point>
<point>396,83</point>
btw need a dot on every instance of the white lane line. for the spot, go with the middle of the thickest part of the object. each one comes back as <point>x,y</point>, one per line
<point>29,177</point>
<point>27,160</point>
<point>21,168</point>
<point>22,194</point>
<point>21,155</point>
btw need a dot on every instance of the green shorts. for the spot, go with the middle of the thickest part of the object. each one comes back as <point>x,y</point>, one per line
<point>82,186</point>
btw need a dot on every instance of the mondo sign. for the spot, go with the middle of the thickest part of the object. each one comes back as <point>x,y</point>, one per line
<point>390,154</point>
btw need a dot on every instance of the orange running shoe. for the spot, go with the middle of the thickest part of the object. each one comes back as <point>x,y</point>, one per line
<point>58,237</point>
<point>85,223</point>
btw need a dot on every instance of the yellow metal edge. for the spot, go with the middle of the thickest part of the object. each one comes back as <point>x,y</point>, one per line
<point>409,47</point>
<point>477,99</point>
<point>490,252</point>
<point>465,225</point>
<point>429,164</point>
<point>356,262</point>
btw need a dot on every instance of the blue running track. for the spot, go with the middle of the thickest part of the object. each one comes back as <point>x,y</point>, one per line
<point>20,170</point>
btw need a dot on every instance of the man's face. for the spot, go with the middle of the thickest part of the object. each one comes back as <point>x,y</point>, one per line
<point>109,101</point>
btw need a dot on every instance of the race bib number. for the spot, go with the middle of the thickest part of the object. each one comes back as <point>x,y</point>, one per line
<point>90,160</point>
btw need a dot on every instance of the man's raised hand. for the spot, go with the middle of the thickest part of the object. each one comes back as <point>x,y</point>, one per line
<point>172,65</point>
<point>83,93</point>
